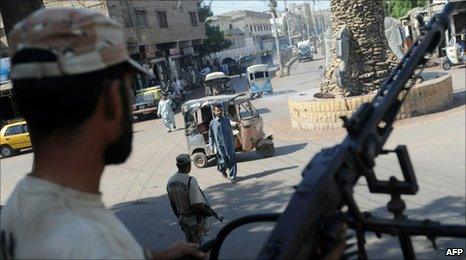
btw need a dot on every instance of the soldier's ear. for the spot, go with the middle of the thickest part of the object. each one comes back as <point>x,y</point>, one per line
<point>113,106</point>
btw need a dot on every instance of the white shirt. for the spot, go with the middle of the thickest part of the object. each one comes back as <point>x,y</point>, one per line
<point>49,221</point>
<point>177,86</point>
<point>165,108</point>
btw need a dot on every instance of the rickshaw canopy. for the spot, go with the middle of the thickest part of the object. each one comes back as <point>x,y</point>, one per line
<point>215,75</point>
<point>195,104</point>
<point>258,68</point>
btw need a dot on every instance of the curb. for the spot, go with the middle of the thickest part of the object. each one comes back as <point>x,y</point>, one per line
<point>323,114</point>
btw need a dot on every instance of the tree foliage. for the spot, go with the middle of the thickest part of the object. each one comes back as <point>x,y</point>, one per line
<point>399,8</point>
<point>215,39</point>
<point>203,10</point>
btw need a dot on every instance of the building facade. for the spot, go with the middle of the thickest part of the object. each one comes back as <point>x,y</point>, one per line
<point>3,41</point>
<point>163,35</point>
<point>246,30</point>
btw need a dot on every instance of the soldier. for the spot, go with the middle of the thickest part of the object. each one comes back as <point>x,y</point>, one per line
<point>72,78</point>
<point>188,202</point>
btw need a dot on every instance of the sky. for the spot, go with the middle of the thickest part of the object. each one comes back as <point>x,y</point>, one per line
<point>222,6</point>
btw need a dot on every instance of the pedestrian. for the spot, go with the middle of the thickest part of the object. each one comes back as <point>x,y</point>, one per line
<point>72,76</point>
<point>178,88</point>
<point>226,69</point>
<point>188,202</point>
<point>165,111</point>
<point>221,139</point>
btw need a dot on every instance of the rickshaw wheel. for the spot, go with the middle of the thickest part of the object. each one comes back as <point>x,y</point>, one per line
<point>200,160</point>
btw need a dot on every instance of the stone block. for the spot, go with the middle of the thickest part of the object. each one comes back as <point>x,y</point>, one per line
<point>321,114</point>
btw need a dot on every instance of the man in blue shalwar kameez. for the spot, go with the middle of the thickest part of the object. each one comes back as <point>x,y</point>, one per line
<point>221,138</point>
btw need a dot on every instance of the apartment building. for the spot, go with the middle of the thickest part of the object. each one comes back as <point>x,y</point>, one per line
<point>162,35</point>
<point>3,42</point>
<point>246,30</point>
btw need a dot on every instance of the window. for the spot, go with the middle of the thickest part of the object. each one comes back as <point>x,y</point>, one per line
<point>162,17</point>
<point>193,17</point>
<point>246,111</point>
<point>266,74</point>
<point>127,20</point>
<point>141,18</point>
<point>24,128</point>
<point>13,130</point>
<point>259,75</point>
<point>230,26</point>
<point>250,27</point>
<point>251,76</point>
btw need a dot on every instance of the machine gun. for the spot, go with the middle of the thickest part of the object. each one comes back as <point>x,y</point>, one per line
<point>329,178</point>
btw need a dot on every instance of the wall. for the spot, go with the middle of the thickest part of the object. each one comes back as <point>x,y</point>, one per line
<point>99,6</point>
<point>179,23</point>
<point>248,49</point>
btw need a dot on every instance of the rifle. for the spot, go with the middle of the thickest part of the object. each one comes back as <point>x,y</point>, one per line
<point>214,214</point>
<point>328,180</point>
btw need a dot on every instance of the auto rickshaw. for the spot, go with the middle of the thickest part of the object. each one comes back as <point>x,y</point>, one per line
<point>248,134</point>
<point>217,83</point>
<point>259,80</point>
<point>454,56</point>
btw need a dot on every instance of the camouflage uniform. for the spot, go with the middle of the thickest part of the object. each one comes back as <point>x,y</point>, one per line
<point>82,228</point>
<point>83,41</point>
<point>183,191</point>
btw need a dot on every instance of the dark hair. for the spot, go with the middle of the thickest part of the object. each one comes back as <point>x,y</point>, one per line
<point>217,105</point>
<point>60,103</point>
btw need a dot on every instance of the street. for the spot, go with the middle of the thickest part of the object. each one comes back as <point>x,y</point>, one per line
<point>136,192</point>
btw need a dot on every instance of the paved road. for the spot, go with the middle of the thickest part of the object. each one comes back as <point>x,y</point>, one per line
<point>136,190</point>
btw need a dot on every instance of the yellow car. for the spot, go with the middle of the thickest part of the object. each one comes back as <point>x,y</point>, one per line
<point>146,102</point>
<point>14,137</point>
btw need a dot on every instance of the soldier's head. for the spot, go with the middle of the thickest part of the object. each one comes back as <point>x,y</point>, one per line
<point>72,78</point>
<point>183,162</point>
<point>218,110</point>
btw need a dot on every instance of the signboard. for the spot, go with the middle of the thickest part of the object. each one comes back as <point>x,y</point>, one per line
<point>175,51</point>
<point>4,70</point>
<point>188,51</point>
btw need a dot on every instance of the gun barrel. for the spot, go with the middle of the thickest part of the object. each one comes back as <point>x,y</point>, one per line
<point>410,227</point>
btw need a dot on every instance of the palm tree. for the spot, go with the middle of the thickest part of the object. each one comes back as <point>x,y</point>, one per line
<point>364,66</point>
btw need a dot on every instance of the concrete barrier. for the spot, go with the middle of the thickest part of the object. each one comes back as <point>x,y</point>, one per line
<point>310,112</point>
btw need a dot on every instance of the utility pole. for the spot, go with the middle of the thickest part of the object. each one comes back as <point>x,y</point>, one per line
<point>13,11</point>
<point>273,10</point>
<point>315,26</point>
<point>287,22</point>
<point>306,10</point>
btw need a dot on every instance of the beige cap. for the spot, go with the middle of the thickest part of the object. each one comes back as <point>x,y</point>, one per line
<point>84,41</point>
